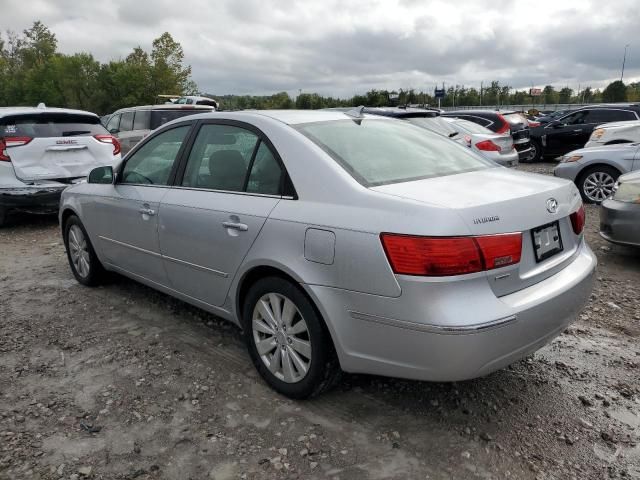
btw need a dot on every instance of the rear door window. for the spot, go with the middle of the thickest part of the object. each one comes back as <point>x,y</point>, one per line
<point>141,120</point>
<point>613,115</point>
<point>126,122</point>
<point>162,116</point>
<point>50,125</point>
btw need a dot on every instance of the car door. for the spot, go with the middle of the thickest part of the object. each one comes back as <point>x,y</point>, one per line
<point>125,216</point>
<point>231,182</point>
<point>568,133</point>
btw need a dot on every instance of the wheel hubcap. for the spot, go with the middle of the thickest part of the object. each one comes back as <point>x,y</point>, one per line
<point>598,186</point>
<point>281,337</point>
<point>79,251</point>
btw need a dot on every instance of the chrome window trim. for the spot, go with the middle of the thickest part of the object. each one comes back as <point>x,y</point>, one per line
<point>233,192</point>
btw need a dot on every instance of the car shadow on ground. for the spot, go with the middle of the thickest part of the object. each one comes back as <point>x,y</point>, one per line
<point>20,221</point>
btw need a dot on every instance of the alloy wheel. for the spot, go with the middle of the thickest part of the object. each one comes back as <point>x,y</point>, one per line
<point>598,186</point>
<point>281,337</point>
<point>79,251</point>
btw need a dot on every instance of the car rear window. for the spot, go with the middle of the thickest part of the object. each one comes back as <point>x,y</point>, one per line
<point>514,118</point>
<point>162,116</point>
<point>436,124</point>
<point>50,125</point>
<point>379,152</point>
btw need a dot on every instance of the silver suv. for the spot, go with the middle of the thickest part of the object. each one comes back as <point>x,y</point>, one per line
<point>130,125</point>
<point>44,150</point>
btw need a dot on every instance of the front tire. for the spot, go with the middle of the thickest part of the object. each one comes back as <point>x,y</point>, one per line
<point>287,339</point>
<point>83,260</point>
<point>596,183</point>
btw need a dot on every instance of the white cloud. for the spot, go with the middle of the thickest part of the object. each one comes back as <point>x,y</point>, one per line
<point>340,48</point>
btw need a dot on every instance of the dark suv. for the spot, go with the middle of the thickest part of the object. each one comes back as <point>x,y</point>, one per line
<point>572,131</point>
<point>501,121</point>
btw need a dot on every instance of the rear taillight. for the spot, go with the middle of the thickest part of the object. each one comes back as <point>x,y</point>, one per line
<point>109,139</point>
<point>577,220</point>
<point>444,256</point>
<point>487,146</point>
<point>8,142</point>
<point>505,125</point>
<point>533,124</point>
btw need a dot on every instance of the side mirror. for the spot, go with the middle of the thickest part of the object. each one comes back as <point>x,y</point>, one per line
<point>113,131</point>
<point>102,175</point>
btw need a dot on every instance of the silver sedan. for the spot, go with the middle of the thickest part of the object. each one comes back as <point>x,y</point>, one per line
<point>596,169</point>
<point>339,241</point>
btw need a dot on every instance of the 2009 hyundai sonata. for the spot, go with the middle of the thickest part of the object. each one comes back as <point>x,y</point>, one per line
<point>339,241</point>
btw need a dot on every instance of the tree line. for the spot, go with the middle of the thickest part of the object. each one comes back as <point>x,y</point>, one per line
<point>32,70</point>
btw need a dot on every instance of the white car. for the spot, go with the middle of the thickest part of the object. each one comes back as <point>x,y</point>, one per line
<point>615,132</point>
<point>44,150</point>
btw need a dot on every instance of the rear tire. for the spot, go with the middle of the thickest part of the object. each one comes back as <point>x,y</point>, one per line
<point>536,152</point>
<point>83,260</point>
<point>287,339</point>
<point>596,183</point>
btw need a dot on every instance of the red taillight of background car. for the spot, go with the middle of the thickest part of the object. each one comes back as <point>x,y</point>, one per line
<point>109,139</point>
<point>8,142</point>
<point>445,256</point>
<point>504,128</point>
<point>577,220</point>
<point>487,146</point>
<point>533,123</point>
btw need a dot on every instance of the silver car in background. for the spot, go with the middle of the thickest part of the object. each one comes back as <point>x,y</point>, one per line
<point>339,241</point>
<point>494,146</point>
<point>596,169</point>
<point>616,132</point>
<point>620,214</point>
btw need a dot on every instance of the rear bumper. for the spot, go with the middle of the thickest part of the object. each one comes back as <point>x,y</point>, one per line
<point>461,331</point>
<point>32,198</point>
<point>510,159</point>
<point>620,222</point>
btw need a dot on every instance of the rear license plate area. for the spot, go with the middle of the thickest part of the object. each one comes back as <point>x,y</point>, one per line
<point>547,241</point>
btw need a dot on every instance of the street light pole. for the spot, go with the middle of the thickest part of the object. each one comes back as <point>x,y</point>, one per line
<point>624,59</point>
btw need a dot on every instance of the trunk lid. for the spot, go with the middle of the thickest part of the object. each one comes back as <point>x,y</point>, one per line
<point>498,200</point>
<point>58,145</point>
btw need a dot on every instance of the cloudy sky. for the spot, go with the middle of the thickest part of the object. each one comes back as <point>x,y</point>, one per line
<point>342,47</point>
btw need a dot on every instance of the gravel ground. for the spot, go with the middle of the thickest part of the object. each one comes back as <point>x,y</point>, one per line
<point>122,382</point>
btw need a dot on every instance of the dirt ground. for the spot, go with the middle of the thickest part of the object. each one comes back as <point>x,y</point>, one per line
<point>122,382</point>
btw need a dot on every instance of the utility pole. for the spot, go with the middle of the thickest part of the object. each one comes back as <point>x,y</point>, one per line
<point>624,58</point>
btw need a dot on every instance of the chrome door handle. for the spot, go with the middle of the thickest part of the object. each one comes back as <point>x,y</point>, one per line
<point>578,131</point>
<point>236,226</point>
<point>147,211</point>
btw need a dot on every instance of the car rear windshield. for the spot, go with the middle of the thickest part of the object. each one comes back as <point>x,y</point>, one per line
<point>51,125</point>
<point>162,116</point>
<point>513,118</point>
<point>436,124</point>
<point>379,152</point>
<point>471,127</point>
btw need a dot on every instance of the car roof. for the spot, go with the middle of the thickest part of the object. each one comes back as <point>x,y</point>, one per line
<point>165,106</point>
<point>403,112</point>
<point>479,111</point>
<point>288,117</point>
<point>6,111</point>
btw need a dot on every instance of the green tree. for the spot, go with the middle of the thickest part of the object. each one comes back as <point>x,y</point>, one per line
<point>168,75</point>
<point>615,92</point>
